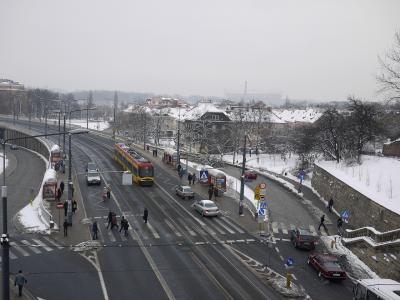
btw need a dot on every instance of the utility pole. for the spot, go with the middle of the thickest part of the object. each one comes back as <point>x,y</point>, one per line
<point>178,155</point>
<point>144,130</point>
<point>115,108</point>
<point>242,178</point>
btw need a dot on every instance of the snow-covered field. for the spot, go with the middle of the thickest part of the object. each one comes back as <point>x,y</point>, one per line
<point>378,178</point>
<point>270,162</point>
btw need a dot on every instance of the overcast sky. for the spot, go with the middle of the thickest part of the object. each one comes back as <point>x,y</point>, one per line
<point>322,49</point>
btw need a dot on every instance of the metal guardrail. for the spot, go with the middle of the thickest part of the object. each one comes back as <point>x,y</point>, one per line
<point>376,236</point>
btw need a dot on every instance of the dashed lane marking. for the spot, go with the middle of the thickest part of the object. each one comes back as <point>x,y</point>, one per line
<point>237,228</point>
<point>172,227</point>
<point>224,226</point>
<point>191,232</point>
<point>275,228</point>
<point>153,231</point>
<point>284,229</point>
<point>313,231</point>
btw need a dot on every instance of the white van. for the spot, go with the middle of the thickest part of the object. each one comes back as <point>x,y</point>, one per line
<point>376,289</point>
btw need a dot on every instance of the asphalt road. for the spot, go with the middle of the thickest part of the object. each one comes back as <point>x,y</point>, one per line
<point>177,255</point>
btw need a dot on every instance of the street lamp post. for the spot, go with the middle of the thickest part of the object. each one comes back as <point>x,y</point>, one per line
<point>242,178</point>
<point>4,240</point>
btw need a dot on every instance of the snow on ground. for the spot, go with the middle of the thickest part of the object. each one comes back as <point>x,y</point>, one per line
<point>357,268</point>
<point>94,125</point>
<point>377,178</point>
<point>270,162</point>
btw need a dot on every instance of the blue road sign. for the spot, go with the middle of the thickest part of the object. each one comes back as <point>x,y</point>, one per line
<point>289,262</point>
<point>203,175</point>
<point>261,212</point>
<point>263,205</point>
<point>345,214</point>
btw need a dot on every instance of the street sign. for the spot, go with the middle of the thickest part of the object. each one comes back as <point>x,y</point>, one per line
<point>203,175</point>
<point>260,191</point>
<point>60,205</point>
<point>262,207</point>
<point>345,214</point>
<point>289,262</point>
<point>263,204</point>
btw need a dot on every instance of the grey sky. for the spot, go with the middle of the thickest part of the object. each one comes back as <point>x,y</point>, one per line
<point>322,49</point>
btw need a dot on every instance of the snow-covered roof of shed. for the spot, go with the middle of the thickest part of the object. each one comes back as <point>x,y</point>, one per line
<point>197,111</point>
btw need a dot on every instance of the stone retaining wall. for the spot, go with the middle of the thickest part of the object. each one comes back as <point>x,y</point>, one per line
<point>363,211</point>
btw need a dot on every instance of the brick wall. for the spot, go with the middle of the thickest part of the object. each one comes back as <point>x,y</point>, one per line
<point>392,149</point>
<point>363,211</point>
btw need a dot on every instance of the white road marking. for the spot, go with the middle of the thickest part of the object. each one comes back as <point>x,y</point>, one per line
<point>53,243</point>
<point>191,232</point>
<point>153,231</point>
<point>224,226</point>
<point>277,249</point>
<point>19,249</point>
<point>172,227</point>
<point>237,228</point>
<point>285,240</point>
<point>43,245</point>
<point>218,229</point>
<point>250,240</point>
<point>111,235</point>
<point>34,249</point>
<point>284,229</point>
<point>275,228</point>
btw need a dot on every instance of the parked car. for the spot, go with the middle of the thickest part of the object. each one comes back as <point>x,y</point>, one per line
<point>14,147</point>
<point>250,174</point>
<point>327,265</point>
<point>206,208</point>
<point>303,238</point>
<point>184,191</point>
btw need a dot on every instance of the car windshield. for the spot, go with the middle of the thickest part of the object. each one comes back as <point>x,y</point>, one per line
<point>187,190</point>
<point>332,264</point>
<point>93,173</point>
<point>91,166</point>
<point>146,171</point>
<point>304,232</point>
<point>209,205</point>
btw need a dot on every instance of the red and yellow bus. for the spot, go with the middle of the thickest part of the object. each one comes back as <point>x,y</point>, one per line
<point>142,170</point>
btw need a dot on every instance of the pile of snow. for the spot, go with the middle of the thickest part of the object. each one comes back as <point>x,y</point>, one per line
<point>377,178</point>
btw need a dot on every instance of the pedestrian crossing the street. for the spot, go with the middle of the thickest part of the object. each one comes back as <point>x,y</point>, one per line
<point>280,227</point>
<point>167,228</point>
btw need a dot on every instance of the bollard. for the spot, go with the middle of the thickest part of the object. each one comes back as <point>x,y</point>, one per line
<point>288,280</point>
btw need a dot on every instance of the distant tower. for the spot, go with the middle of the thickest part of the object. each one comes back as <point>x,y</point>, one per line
<point>287,102</point>
<point>244,93</point>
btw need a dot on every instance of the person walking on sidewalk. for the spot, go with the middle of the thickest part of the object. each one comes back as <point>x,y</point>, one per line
<point>189,178</point>
<point>95,229</point>
<point>330,205</point>
<point>20,280</point>
<point>59,193</point>
<point>65,226</point>
<point>194,177</point>
<point>145,215</point>
<point>62,187</point>
<point>322,223</point>
<point>109,218</point>
<point>339,224</point>
<point>114,222</point>
<point>210,192</point>
<point>65,208</point>
<point>74,207</point>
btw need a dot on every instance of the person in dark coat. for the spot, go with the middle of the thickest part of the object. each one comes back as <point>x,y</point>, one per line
<point>124,226</point>
<point>95,229</point>
<point>20,280</point>
<point>339,224</point>
<point>65,208</point>
<point>59,193</point>
<point>145,215</point>
<point>74,206</point>
<point>190,178</point>
<point>65,226</point>
<point>322,223</point>
<point>62,187</point>
<point>194,177</point>
<point>109,218</point>
<point>330,205</point>
<point>210,192</point>
<point>114,222</point>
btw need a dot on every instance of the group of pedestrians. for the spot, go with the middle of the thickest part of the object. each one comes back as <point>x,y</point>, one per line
<point>112,222</point>
<point>339,221</point>
<point>191,178</point>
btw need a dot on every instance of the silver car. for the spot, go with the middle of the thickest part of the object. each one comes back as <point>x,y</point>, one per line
<point>206,208</point>
<point>184,191</point>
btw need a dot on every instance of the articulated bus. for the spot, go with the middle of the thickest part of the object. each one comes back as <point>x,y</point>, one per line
<point>142,170</point>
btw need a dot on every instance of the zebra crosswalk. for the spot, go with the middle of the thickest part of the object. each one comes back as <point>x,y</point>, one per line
<point>280,227</point>
<point>34,246</point>
<point>168,228</point>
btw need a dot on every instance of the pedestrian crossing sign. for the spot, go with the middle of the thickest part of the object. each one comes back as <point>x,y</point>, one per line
<point>203,175</point>
<point>345,214</point>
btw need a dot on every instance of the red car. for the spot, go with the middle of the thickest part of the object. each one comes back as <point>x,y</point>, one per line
<point>250,174</point>
<point>302,238</point>
<point>327,266</point>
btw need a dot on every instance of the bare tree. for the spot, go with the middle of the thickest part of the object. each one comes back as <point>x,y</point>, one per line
<point>389,78</point>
